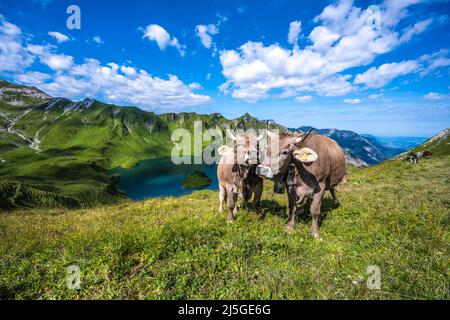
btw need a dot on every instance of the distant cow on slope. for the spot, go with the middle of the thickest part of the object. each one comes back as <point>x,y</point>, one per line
<point>427,154</point>
<point>412,158</point>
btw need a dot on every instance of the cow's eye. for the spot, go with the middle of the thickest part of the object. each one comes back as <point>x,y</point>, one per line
<point>284,153</point>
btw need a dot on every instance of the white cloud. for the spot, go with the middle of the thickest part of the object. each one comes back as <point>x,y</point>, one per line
<point>295,27</point>
<point>58,36</point>
<point>32,77</point>
<point>113,82</point>
<point>303,99</point>
<point>435,96</point>
<point>322,38</point>
<point>418,28</point>
<point>98,40</point>
<point>352,101</point>
<point>378,77</point>
<point>434,61</point>
<point>57,62</point>
<point>13,56</point>
<point>154,32</point>
<point>343,40</point>
<point>205,33</point>
<point>124,84</point>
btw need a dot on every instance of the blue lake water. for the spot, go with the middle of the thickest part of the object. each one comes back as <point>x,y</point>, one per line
<point>160,178</point>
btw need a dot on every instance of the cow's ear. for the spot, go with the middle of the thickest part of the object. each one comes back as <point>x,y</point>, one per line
<point>305,155</point>
<point>223,150</point>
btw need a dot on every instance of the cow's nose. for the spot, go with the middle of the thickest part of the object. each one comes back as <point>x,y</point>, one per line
<point>253,153</point>
<point>251,157</point>
<point>264,171</point>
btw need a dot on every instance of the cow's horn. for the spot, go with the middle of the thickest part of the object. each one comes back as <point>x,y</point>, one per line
<point>305,155</point>
<point>303,137</point>
<point>231,135</point>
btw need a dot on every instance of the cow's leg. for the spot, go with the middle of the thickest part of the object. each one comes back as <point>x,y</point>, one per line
<point>222,197</point>
<point>333,194</point>
<point>257,193</point>
<point>292,210</point>
<point>231,201</point>
<point>315,211</point>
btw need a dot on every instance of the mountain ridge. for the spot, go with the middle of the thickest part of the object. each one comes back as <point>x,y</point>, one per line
<point>55,147</point>
<point>362,149</point>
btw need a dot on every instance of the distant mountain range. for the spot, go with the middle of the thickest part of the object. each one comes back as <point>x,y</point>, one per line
<point>63,150</point>
<point>364,150</point>
<point>56,146</point>
<point>403,143</point>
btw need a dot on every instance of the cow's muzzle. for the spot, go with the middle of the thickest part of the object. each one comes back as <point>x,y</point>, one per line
<point>251,157</point>
<point>264,171</point>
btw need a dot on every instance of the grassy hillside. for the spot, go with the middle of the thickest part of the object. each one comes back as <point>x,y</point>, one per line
<point>394,215</point>
<point>68,147</point>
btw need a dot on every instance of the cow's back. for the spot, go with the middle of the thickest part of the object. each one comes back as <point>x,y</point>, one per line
<point>330,164</point>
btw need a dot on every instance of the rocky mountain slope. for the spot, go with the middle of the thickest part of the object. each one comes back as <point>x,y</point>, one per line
<point>54,145</point>
<point>361,150</point>
<point>439,144</point>
<point>53,150</point>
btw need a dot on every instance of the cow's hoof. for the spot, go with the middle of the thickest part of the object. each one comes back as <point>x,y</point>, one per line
<point>316,237</point>
<point>290,228</point>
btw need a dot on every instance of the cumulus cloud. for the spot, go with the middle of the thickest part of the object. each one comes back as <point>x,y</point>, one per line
<point>32,77</point>
<point>322,38</point>
<point>124,84</point>
<point>154,32</point>
<point>58,36</point>
<point>112,82</point>
<point>13,56</point>
<point>57,62</point>
<point>295,27</point>
<point>205,33</point>
<point>352,101</point>
<point>378,77</point>
<point>343,39</point>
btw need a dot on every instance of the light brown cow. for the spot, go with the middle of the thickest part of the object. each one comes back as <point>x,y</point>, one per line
<point>308,165</point>
<point>236,173</point>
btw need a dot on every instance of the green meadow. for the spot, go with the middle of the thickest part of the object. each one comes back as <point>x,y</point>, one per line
<point>394,216</point>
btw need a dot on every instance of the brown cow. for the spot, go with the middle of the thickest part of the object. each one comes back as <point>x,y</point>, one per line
<point>236,173</point>
<point>316,164</point>
<point>427,154</point>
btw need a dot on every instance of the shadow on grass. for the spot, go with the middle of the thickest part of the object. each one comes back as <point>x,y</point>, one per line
<point>273,208</point>
<point>328,205</point>
<point>303,213</point>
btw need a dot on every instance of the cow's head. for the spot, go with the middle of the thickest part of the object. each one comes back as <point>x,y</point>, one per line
<point>245,150</point>
<point>281,149</point>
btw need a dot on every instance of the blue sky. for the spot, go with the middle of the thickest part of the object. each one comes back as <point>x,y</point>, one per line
<point>379,67</point>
